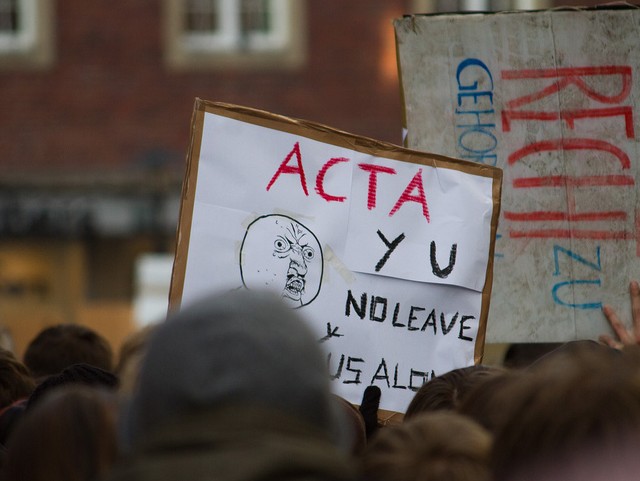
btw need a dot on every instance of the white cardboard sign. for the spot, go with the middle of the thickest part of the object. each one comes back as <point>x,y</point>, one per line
<point>386,252</point>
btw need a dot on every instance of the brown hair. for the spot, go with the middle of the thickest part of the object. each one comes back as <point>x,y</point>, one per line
<point>15,380</point>
<point>69,436</point>
<point>489,400</point>
<point>353,423</point>
<point>130,357</point>
<point>571,411</point>
<point>60,346</point>
<point>435,446</point>
<point>445,392</point>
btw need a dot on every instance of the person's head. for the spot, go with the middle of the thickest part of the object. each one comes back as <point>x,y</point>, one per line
<point>522,355</point>
<point>77,374</point>
<point>130,357</point>
<point>574,415</point>
<point>280,253</point>
<point>60,346</point>
<point>16,385</point>
<point>69,436</point>
<point>240,349</point>
<point>6,339</point>
<point>445,392</point>
<point>354,426</point>
<point>488,401</point>
<point>15,380</point>
<point>433,446</point>
<point>9,419</point>
<point>568,352</point>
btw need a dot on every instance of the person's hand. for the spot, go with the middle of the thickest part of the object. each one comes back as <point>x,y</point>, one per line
<point>626,336</point>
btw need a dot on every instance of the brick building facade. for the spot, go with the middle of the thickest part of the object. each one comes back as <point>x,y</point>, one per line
<point>94,136</point>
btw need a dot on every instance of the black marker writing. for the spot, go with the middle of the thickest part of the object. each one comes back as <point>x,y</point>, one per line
<point>331,333</point>
<point>442,273</point>
<point>391,246</point>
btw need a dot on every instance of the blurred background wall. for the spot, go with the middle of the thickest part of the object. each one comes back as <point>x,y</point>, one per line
<point>96,99</point>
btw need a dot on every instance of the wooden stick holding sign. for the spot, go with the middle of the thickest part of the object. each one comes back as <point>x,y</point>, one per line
<point>387,252</point>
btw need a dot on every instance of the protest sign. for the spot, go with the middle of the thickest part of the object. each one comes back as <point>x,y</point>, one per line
<point>551,98</point>
<point>386,252</point>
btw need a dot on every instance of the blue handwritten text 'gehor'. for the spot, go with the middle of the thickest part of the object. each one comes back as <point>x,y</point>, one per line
<point>475,114</point>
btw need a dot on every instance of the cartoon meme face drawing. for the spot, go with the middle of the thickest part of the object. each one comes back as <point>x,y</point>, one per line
<point>278,252</point>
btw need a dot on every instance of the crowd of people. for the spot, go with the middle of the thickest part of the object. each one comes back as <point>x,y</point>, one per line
<point>235,388</point>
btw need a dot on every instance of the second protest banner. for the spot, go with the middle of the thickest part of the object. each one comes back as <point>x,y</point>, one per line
<point>551,97</point>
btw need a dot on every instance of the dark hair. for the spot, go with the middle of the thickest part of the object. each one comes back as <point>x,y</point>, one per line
<point>63,345</point>
<point>15,380</point>
<point>522,355</point>
<point>82,374</point>
<point>445,392</point>
<point>9,420</point>
<point>69,436</point>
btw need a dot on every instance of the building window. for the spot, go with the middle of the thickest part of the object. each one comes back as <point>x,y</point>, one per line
<point>442,6</point>
<point>235,33</point>
<point>25,33</point>
<point>9,17</point>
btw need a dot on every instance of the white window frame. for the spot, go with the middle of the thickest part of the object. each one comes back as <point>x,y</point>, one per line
<point>282,47</point>
<point>431,6</point>
<point>229,37</point>
<point>25,37</point>
<point>31,46</point>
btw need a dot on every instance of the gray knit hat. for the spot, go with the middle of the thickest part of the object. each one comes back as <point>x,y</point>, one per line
<point>245,348</point>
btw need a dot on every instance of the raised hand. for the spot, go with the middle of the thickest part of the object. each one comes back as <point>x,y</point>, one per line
<point>625,336</point>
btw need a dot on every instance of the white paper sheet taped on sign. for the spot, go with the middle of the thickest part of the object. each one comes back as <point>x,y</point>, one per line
<point>332,223</point>
<point>551,97</point>
<point>439,220</point>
